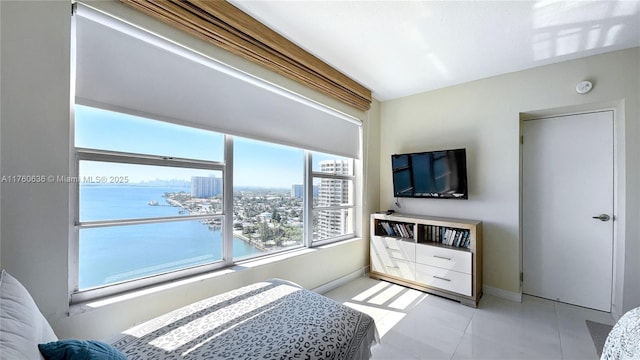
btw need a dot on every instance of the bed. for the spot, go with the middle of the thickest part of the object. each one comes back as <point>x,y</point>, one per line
<point>623,342</point>
<point>273,319</point>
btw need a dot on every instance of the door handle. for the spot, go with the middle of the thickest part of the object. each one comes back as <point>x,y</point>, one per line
<point>602,217</point>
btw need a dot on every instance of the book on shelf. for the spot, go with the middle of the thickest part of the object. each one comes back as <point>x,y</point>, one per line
<point>410,229</point>
<point>397,229</point>
<point>405,230</point>
<point>446,236</point>
<point>458,239</point>
<point>387,228</point>
<point>467,241</point>
<point>430,233</point>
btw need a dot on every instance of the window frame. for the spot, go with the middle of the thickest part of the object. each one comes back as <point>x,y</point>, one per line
<point>311,209</point>
<point>302,245</point>
<point>87,154</point>
<point>226,167</point>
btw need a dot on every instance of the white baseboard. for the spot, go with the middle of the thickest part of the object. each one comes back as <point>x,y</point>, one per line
<point>339,282</point>
<point>504,294</point>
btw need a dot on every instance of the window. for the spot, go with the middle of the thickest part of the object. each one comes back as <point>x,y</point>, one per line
<point>113,131</point>
<point>333,197</point>
<point>152,202</point>
<point>214,188</point>
<point>267,214</point>
<point>149,198</point>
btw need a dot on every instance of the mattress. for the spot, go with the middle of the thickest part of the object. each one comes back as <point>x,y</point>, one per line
<point>273,319</point>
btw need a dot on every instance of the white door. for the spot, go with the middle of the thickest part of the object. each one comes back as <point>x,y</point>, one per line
<point>567,184</point>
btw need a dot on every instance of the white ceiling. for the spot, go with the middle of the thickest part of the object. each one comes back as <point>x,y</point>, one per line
<point>399,48</point>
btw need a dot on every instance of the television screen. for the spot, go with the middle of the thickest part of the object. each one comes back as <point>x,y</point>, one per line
<point>433,174</point>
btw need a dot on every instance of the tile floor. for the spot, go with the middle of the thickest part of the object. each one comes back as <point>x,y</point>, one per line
<point>416,325</point>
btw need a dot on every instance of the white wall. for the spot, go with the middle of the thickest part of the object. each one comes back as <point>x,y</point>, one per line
<point>484,117</point>
<point>35,141</point>
<point>36,228</point>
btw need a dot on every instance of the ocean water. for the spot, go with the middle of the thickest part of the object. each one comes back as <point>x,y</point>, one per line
<point>113,254</point>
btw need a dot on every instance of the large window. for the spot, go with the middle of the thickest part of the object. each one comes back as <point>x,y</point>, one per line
<point>152,201</point>
<point>175,191</point>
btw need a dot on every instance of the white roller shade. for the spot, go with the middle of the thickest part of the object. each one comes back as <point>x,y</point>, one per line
<point>123,68</point>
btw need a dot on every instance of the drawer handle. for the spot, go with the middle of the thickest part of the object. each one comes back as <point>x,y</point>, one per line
<point>441,278</point>
<point>442,257</point>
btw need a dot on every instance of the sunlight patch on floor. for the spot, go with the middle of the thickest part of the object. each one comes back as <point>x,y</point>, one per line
<point>407,298</point>
<point>384,296</point>
<point>385,319</point>
<point>386,303</point>
<point>371,291</point>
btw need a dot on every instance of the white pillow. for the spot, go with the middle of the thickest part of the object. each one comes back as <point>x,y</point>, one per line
<point>22,325</point>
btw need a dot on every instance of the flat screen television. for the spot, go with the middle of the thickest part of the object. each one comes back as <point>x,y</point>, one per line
<point>433,174</point>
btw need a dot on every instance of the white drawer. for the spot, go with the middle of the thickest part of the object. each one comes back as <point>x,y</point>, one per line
<point>444,279</point>
<point>395,267</point>
<point>394,248</point>
<point>380,262</point>
<point>403,269</point>
<point>450,259</point>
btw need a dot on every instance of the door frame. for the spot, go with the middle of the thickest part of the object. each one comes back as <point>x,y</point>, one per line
<point>618,190</point>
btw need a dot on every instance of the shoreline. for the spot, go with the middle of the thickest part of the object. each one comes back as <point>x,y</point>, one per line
<point>238,235</point>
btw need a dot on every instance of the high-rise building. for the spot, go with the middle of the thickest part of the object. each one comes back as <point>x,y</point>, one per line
<point>333,192</point>
<point>297,191</point>
<point>205,186</point>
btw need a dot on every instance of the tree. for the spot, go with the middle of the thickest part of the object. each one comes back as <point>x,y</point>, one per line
<point>264,232</point>
<point>275,216</point>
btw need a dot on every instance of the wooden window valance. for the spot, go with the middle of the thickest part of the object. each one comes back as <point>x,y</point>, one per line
<point>224,25</point>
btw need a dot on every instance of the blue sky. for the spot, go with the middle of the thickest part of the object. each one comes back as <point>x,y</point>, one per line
<point>255,163</point>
